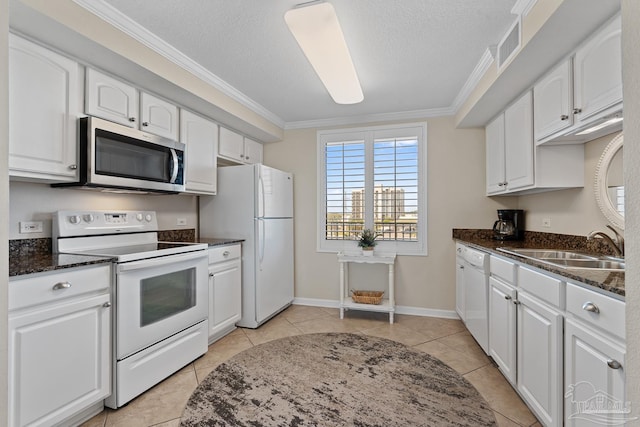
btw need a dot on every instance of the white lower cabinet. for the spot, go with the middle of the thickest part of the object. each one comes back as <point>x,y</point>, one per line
<point>540,358</point>
<point>502,327</point>
<point>225,290</point>
<point>59,346</point>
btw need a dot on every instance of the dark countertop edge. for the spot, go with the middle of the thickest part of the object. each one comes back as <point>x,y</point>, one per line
<point>53,264</point>
<point>591,278</point>
<point>218,241</point>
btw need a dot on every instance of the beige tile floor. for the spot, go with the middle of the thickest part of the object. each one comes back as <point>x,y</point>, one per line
<point>446,339</point>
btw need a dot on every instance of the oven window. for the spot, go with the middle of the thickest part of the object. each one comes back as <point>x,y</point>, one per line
<point>166,295</point>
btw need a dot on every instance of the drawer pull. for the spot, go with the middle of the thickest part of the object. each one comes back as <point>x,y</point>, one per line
<point>507,297</point>
<point>61,285</point>
<point>210,274</point>
<point>589,306</point>
<point>614,364</point>
<point>225,254</point>
<point>107,304</point>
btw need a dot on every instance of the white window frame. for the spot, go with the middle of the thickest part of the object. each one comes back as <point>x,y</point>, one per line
<point>418,247</point>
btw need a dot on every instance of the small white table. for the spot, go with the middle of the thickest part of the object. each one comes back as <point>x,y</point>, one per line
<point>346,302</point>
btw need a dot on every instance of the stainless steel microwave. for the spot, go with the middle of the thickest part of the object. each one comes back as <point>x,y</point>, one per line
<point>120,159</point>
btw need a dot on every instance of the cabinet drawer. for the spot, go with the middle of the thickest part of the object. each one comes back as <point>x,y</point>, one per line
<point>48,288</point>
<point>546,288</point>
<point>223,253</point>
<point>506,270</point>
<point>608,313</point>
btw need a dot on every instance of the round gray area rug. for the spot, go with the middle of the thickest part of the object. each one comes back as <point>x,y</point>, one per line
<point>335,380</point>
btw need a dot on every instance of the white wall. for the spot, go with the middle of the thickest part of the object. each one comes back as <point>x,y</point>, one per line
<point>456,188</point>
<point>37,202</point>
<point>573,211</point>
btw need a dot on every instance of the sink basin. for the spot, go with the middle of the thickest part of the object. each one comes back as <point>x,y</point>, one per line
<point>569,259</point>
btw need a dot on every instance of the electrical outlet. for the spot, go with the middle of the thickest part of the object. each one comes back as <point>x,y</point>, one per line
<point>30,227</point>
<point>181,221</point>
<point>546,222</point>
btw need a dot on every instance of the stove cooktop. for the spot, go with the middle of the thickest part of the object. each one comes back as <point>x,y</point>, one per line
<point>145,251</point>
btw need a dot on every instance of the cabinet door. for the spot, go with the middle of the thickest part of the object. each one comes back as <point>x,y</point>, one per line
<point>201,139</point>
<point>518,143</point>
<point>44,94</point>
<point>494,135</point>
<point>502,327</point>
<point>540,358</point>
<point>111,99</point>
<point>225,297</point>
<point>460,289</point>
<point>231,145</point>
<point>252,151</point>
<point>552,102</point>
<point>59,361</point>
<point>591,374</point>
<point>158,117</point>
<point>598,72</point>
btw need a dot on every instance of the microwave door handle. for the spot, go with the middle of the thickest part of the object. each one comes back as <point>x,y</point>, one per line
<point>174,165</point>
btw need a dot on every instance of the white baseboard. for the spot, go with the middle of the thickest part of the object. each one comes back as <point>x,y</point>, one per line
<point>400,309</point>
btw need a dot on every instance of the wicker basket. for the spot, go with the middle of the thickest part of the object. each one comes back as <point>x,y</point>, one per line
<point>367,297</point>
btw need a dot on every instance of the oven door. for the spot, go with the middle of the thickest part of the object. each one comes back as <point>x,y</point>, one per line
<point>159,297</point>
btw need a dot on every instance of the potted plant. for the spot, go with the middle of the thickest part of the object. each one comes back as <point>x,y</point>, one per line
<point>367,241</point>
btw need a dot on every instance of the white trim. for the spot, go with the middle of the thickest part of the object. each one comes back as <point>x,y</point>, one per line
<point>523,7</point>
<point>372,118</point>
<point>400,309</point>
<point>487,59</point>
<point>114,17</point>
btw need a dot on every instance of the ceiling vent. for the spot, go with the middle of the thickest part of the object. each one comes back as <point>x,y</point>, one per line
<point>509,44</point>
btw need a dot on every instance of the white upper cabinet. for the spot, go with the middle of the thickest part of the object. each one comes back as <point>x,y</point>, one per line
<point>158,117</point>
<point>111,99</point>
<point>44,103</point>
<point>598,72</point>
<point>119,102</point>
<point>201,139</point>
<point>237,149</point>
<point>518,136</point>
<point>494,134</point>
<point>552,101</point>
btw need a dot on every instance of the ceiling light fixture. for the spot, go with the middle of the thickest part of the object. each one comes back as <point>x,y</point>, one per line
<point>316,28</point>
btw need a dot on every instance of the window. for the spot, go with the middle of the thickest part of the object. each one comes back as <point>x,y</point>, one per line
<point>373,178</point>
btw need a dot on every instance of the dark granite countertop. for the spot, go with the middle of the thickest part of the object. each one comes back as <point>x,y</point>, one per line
<point>42,262</point>
<point>218,242</point>
<point>610,281</point>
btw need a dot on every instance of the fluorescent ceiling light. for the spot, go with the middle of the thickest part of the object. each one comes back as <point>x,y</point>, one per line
<point>317,30</point>
<point>600,126</point>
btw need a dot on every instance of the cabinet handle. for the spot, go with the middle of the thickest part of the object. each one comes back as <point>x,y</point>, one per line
<point>516,302</point>
<point>132,119</point>
<point>589,306</point>
<point>242,156</point>
<point>614,364</point>
<point>500,184</point>
<point>577,110</point>
<point>61,285</point>
<point>507,297</point>
<point>225,254</point>
<point>107,304</point>
<point>73,167</point>
<point>145,123</point>
<point>564,117</point>
<point>210,274</point>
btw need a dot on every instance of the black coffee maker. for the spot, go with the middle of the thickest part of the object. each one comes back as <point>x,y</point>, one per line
<point>510,225</point>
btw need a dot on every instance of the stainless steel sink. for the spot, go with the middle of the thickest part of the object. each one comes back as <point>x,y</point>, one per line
<point>569,259</point>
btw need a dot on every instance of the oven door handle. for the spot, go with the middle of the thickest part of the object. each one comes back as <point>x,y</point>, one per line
<point>174,165</point>
<point>160,261</point>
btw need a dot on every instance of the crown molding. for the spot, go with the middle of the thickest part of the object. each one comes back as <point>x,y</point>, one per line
<point>523,7</point>
<point>111,15</point>
<point>474,78</point>
<point>371,118</point>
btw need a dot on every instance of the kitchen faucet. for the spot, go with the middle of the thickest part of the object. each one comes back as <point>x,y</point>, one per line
<point>617,245</point>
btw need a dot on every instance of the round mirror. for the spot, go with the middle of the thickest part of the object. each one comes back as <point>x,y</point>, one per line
<point>609,185</point>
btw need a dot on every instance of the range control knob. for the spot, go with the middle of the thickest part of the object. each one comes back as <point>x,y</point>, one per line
<point>88,218</point>
<point>139,216</point>
<point>148,217</point>
<point>75,219</point>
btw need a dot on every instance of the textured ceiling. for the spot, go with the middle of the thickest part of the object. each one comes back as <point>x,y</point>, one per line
<point>409,54</point>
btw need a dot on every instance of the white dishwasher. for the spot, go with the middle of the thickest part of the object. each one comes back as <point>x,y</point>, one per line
<point>476,282</point>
